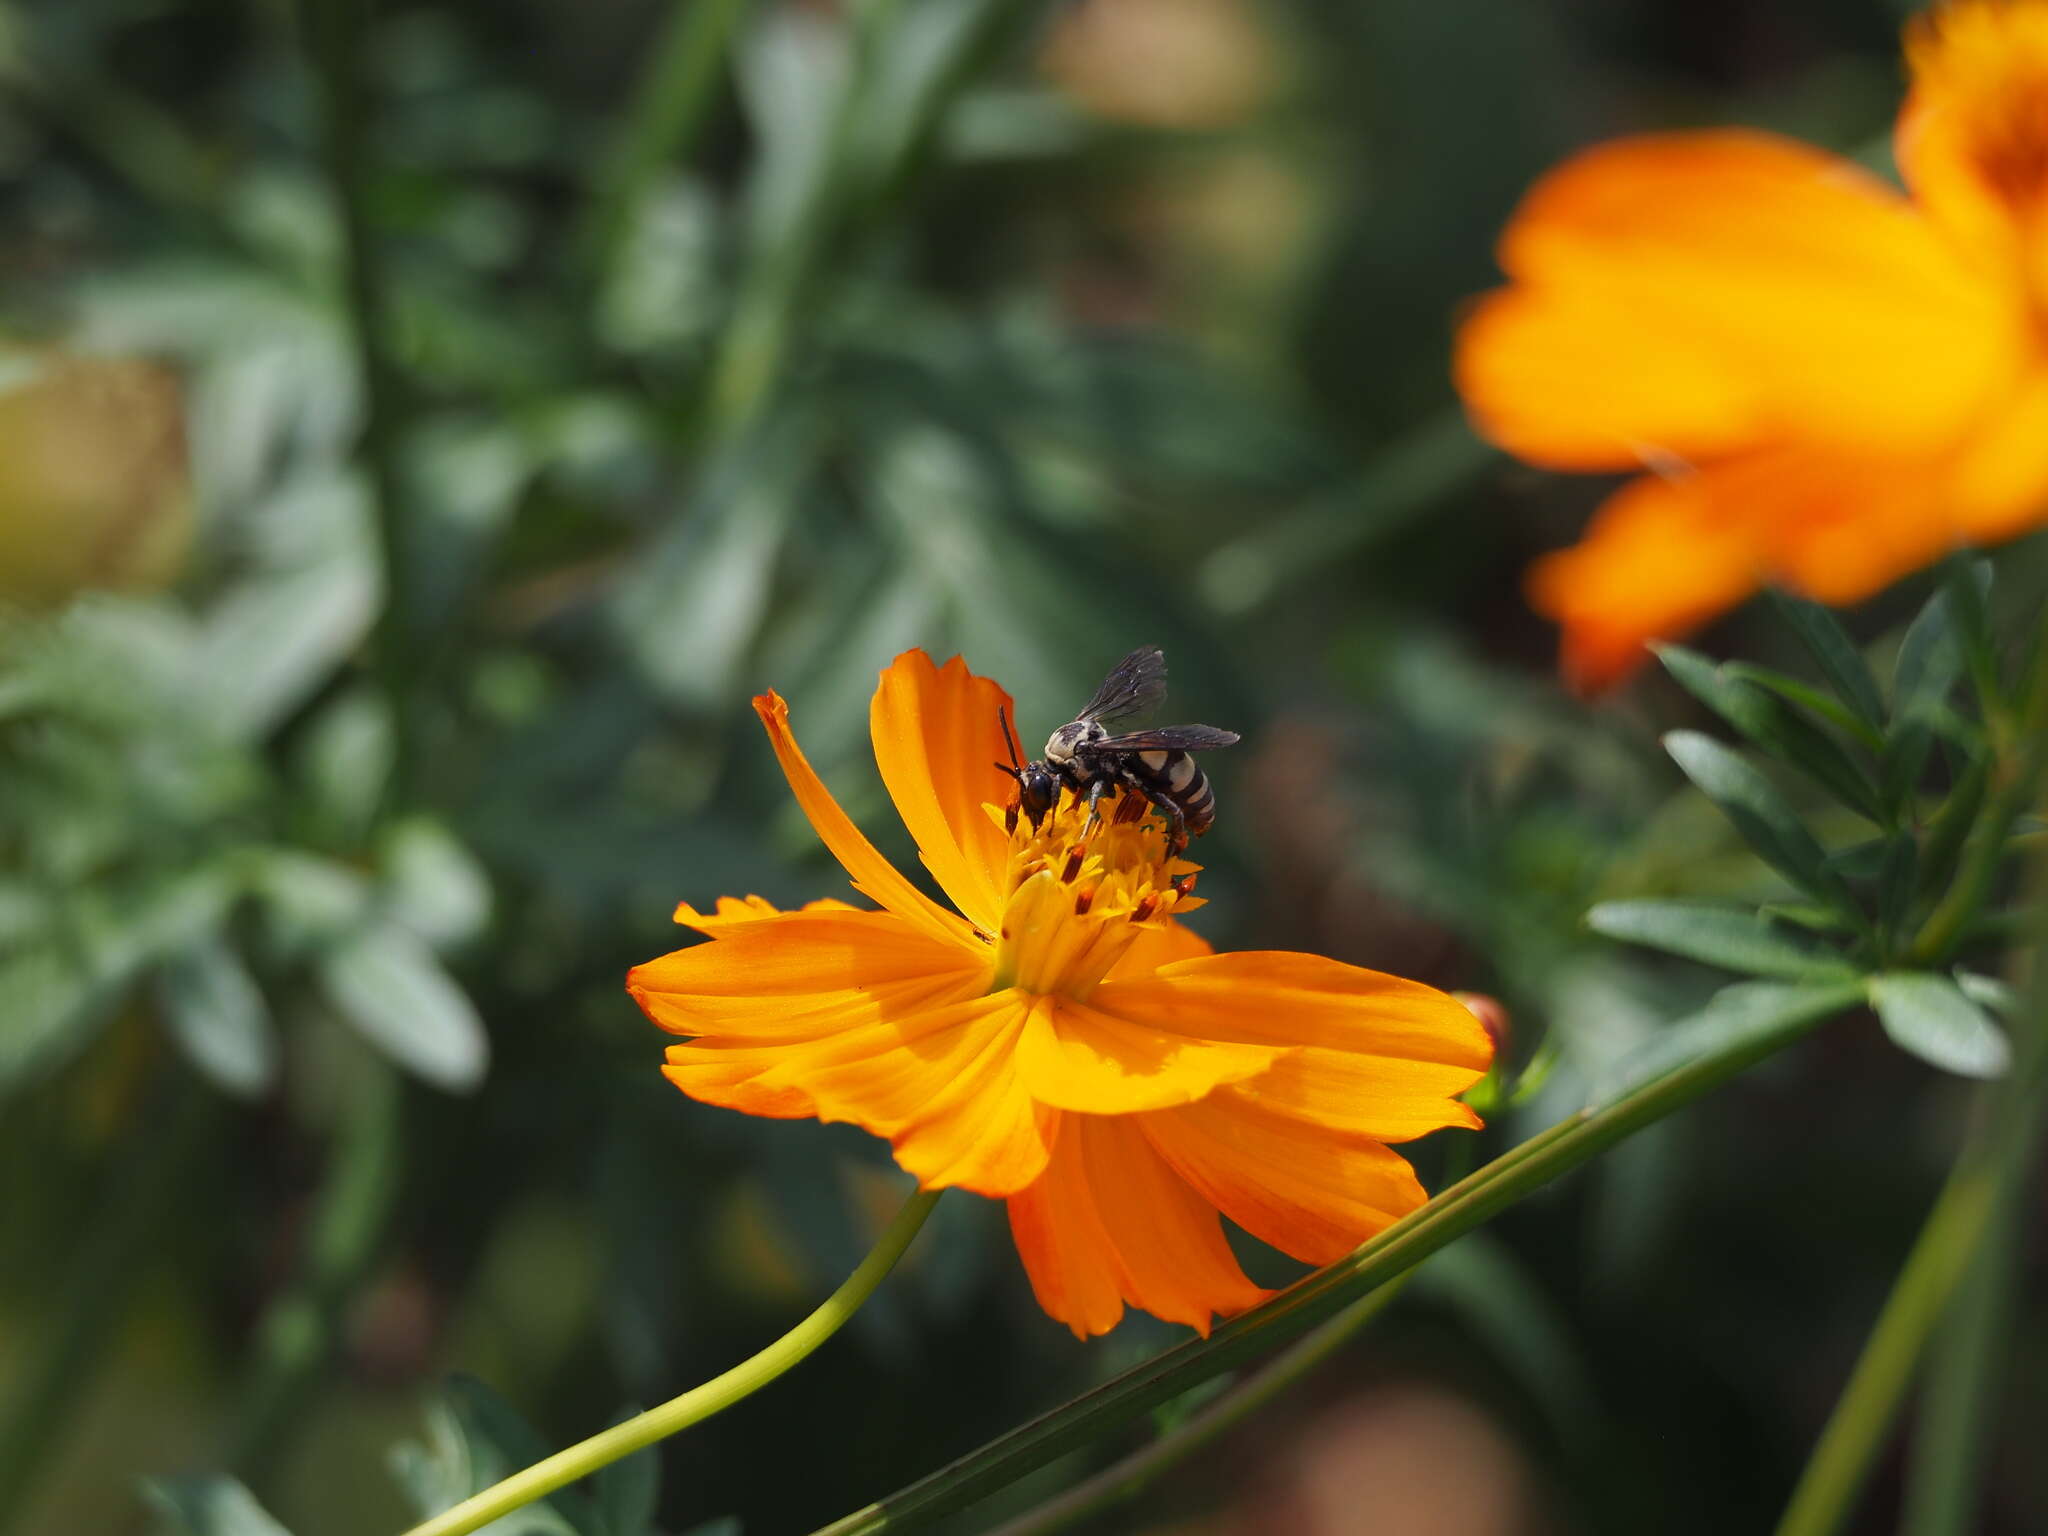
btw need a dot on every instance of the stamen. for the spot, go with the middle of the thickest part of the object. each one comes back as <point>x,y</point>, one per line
<point>1076,857</point>
<point>1131,807</point>
<point>1184,887</point>
<point>1084,898</point>
<point>1147,905</point>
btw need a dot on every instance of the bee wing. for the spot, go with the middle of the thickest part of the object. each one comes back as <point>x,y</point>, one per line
<point>1135,684</point>
<point>1169,738</point>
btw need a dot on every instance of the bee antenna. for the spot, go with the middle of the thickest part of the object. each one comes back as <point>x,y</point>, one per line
<point>1016,764</point>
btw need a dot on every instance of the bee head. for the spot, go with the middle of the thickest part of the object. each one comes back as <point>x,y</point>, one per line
<point>1038,791</point>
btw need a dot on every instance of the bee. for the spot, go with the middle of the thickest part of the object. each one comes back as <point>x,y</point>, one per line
<point>1154,765</point>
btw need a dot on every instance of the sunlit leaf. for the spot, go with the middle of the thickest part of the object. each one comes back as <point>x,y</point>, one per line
<point>217,1015</point>
<point>209,1506</point>
<point>388,985</point>
<point>1729,937</point>
<point>1930,1016</point>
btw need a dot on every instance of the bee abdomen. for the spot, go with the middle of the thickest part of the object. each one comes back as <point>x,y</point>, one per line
<point>1197,801</point>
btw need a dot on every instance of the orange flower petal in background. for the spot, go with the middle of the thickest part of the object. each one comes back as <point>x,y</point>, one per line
<point>1073,1048</point>
<point>1685,295</point>
<point>1836,383</point>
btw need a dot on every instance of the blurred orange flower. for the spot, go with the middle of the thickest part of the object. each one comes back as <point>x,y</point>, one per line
<point>1832,383</point>
<point>1061,1041</point>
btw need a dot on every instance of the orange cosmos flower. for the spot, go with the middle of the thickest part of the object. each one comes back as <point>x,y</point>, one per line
<point>1060,1040</point>
<point>1831,382</point>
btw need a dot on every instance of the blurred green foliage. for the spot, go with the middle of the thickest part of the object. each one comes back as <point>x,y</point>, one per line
<point>555,377</point>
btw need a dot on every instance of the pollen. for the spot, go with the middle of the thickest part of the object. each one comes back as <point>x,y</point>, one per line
<point>1081,890</point>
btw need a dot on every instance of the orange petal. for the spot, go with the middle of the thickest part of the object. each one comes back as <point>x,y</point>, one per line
<point>777,977</point>
<point>1078,1057</point>
<point>938,739</point>
<point>939,1082</point>
<point>1284,1181</point>
<point>1842,528</point>
<point>737,911</point>
<point>1160,943</point>
<point>2000,486</point>
<point>1379,1057</point>
<point>872,874</point>
<point>1972,141</point>
<point>1109,1222</point>
<point>1690,295</point>
<point>1659,558</point>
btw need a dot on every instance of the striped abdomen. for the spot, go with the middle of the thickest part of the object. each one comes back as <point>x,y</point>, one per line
<point>1183,782</point>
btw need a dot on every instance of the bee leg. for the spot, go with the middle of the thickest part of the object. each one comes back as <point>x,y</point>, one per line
<point>1176,822</point>
<point>1095,793</point>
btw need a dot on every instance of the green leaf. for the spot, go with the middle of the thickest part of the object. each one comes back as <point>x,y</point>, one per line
<point>216,1014</point>
<point>1930,658</point>
<point>1729,937</point>
<point>1776,727</point>
<point>1840,661</point>
<point>1759,813</point>
<point>1930,1016</point>
<point>209,1506</point>
<point>434,884</point>
<point>1951,825</point>
<point>387,983</point>
<point>1897,881</point>
<point>1748,1012</point>
<point>1794,692</point>
<point>1989,992</point>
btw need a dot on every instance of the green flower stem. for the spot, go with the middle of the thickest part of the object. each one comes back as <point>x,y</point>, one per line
<point>1116,1483</point>
<point>695,1405</point>
<point>1863,1417</point>
<point>1473,1200</point>
<point>1963,1232</point>
<point>1951,1440</point>
<point>1952,1430</point>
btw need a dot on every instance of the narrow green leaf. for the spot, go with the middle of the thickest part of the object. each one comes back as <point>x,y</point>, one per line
<point>387,983</point>
<point>1930,658</point>
<point>1812,916</point>
<point>1897,881</point>
<point>1759,813</point>
<point>1842,664</point>
<point>1989,992</point>
<point>1825,705</point>
<point>1905,760</point>
<point>1930,1016</point>
<point>1951,825</point>
<point>216,1014</point>
<point>1744,1013</point>
<point>1729,937</point>
<point>210,1506</point>
<point>1776,727</point>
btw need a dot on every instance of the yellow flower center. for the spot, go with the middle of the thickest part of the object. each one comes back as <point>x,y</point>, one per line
<point>1081,893</point>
